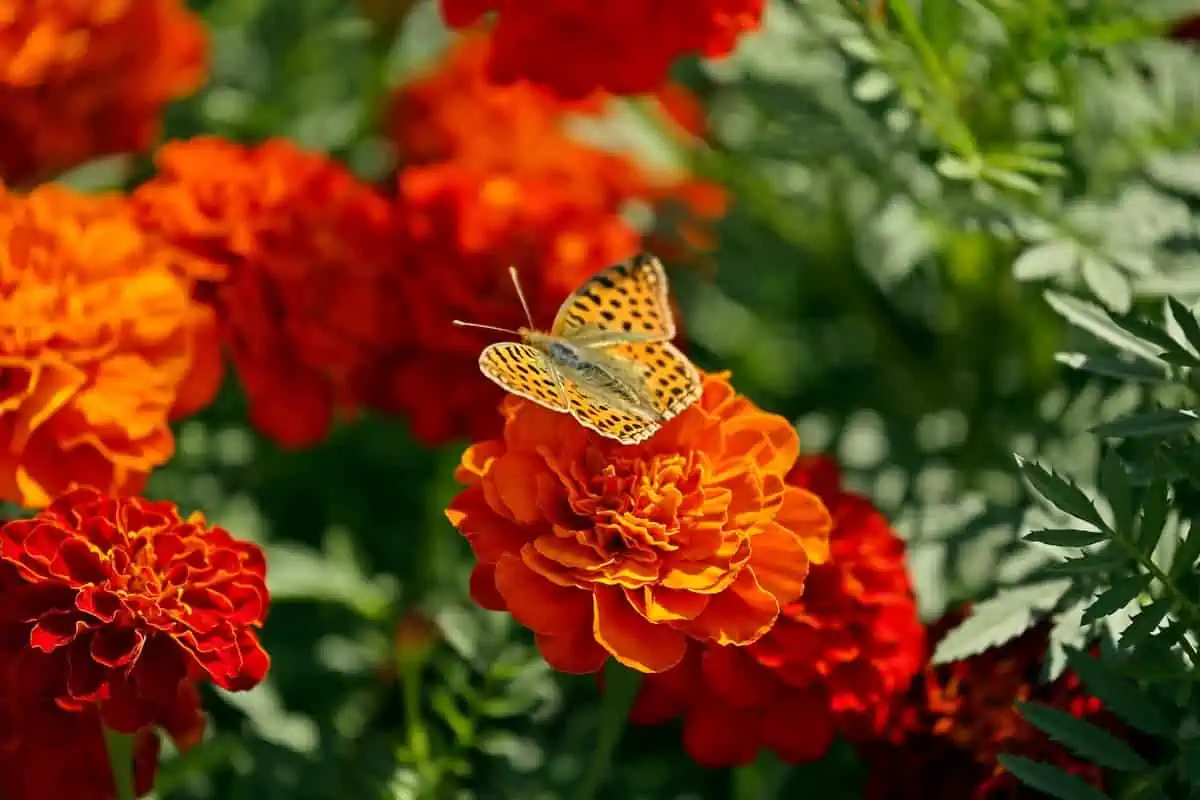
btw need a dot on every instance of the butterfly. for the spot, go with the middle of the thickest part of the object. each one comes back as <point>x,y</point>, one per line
<point>607,360</point>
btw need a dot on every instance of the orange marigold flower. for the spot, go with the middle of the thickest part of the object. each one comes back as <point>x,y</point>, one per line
<point>121,601</point>
<point>836,659</point>
<point>306,308</point>
<point>621,46</point>
<point>493,179</point>
<point>84,79</point>
<point>100,343</point>
<point>633,551</point>
<point>946,733</point>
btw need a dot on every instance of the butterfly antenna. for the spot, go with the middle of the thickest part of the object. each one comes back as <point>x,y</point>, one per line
<point>462,324</point>
<point>512,272</point>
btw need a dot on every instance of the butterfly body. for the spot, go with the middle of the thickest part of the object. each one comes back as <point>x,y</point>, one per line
<point>607,360</point>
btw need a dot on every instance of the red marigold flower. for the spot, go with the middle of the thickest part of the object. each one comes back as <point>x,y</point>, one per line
<point>120,601</point>
<point>945,734</point>
<point>493,179</point>
<point>84,79</point>
<point>633,551</point>
<point>306,309</point>
<point>836,659</point>
<point>100,344</point>
<point>621,46</point>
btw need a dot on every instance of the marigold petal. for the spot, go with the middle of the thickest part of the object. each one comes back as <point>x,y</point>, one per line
<point>799,726</point>
<point>718,736</point>
<point>483,588</point>
<point>537,603</point>
<point>575,652</point>
<point>779,561</point>
<point>672,605</point>
<point>736,679</point>
<point>514,477</point>
<point>630,638</point>
<point>739,616</point>
<point>804,513</point>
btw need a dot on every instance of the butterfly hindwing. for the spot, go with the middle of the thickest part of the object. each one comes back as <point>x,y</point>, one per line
<point>670,383</point>
<point>523,370</point>
<point>622,302</point>
<point>592,412</point>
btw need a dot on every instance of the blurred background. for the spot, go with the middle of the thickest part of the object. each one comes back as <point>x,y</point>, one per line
<point>897,195</point>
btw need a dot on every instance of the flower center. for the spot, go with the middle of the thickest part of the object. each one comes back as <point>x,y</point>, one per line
<point>638,506</point>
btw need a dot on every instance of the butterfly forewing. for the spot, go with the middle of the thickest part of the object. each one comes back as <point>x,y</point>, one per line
<point>624,302</point>
<point>523,370</point>
<point>592,411</point>
<point>669,383</point>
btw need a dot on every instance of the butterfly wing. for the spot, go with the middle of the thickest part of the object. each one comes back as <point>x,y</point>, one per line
<point>669,382</point>
<point>523,370</point>
<point>592,411</point>
<point>624,302</point>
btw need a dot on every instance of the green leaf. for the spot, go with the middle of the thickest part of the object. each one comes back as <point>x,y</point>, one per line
<point>1179,172</point>
<point>1094,563</point>
<point>1158,422</point>
<point>1046,260</point>
<point>1108,283</point>
<point>1120,695</point>
<point>1060,492</point>
<point>1153,518</point>
<point>1094,320</point>
<point>1186,321</point>
<point>1111,366</point>
<point>1006,615</point>
<point>1086,740</point>
<point>1117,596</point>
<point>1051,780</point>
<point>1185,557</point>
<point>1170,349</point>
<point>1065,537</point>
<point>1145,623</point>
<point>1114,485</point>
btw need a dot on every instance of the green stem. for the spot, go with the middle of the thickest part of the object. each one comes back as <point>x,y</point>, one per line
<point>120,760</point>
<point>418,737</point>
<point>620,689</point>
<point>1181,600</point>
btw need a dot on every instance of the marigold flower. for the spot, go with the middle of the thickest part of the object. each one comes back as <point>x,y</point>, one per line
<point>307,308</point>
<point>493,179</point>
<point>945,734</point>
<point>836,659</point>
<point>84,79</point>
<point>100,344</point>
<point>120,601</point>
<point>621,46</point>
<point>633,551</point>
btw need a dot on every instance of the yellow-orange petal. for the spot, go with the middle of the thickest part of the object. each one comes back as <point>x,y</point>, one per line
<point>477,460</point>
<point>739,616</point>
<point>804,513</point>
<point>630,638</point>
<point>779,561</point>
<point>538,604</point>
<point>672,605</point>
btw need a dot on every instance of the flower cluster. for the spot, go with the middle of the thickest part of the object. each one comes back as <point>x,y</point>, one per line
<point>306,307</point>
<point>635,551</point>
<point>492,179</point>
<point>100,344</point>
<point>836,659</point>
<point>83,79</point>
<point>945,734</point>
<point>620,46</point>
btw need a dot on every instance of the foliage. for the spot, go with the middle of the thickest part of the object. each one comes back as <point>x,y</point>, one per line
<point>961,254</point>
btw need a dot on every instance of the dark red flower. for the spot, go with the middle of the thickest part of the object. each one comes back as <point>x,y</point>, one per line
<point>945,734</point>
<point>835,660</point>
<point>620,46</point>
<point>117,602</point>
